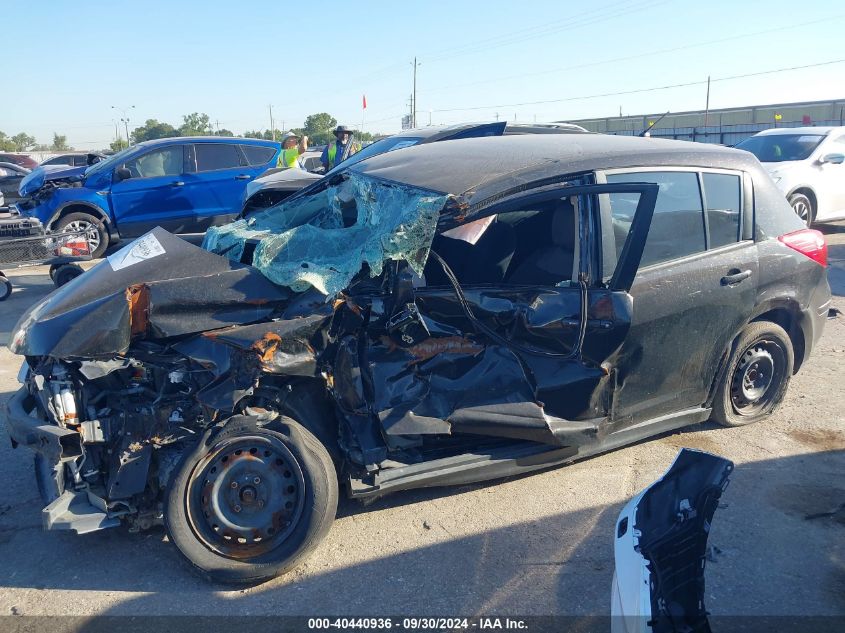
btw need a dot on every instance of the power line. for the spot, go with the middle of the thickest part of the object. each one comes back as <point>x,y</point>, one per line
<point>673,49</point>
<point>528,32</point>
<point>534,32</point>
<point>641,90</point>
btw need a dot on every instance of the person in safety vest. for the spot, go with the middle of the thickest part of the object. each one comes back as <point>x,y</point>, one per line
<point>340,150</point>
<point>292,147</point>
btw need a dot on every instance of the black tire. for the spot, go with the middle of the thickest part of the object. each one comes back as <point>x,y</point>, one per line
<point>756,377</point>
<point>98,233</point>
<point>53,269</point>
<point>66,273</point>
<point>200,500</point>
<point>803,207</point>
<point>5,288</point>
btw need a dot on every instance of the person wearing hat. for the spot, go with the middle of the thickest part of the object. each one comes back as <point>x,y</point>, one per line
<point>292,147</point>
<point>337,151</point>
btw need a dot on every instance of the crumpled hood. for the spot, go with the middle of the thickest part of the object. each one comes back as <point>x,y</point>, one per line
<point>156,287</point>
<point>35,179</point>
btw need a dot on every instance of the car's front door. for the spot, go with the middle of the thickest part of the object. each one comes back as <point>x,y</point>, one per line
<point>695,288</point>
<point>154,194</point>
<point>510,337</point>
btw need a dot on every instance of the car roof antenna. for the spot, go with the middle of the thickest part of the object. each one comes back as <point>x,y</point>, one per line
<point>653,123</point>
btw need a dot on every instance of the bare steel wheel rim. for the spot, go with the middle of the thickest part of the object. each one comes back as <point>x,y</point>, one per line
<point>802,209</point>
<point>246,496</point>
<point>757,377</point>
<point>91,232</point>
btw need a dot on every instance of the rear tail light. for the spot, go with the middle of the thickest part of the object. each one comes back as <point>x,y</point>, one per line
<point>808,242</point>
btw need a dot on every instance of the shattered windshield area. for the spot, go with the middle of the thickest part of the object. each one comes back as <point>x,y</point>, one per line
<point>324,239</point>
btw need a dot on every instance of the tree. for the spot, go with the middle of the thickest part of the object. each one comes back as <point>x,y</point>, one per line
<point>6,144</point>
<point>22,141</point>
<point>153,129</point>
<point>196,124</point>
<point>118,145</point>
<point>224,132</point>
<point>319,127</point>
<point>60,143</point>
<point>267,135</point>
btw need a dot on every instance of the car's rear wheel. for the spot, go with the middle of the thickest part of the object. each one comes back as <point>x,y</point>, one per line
<point>803,207</point>
<point>757,375</point>
<point>95,230</point>
<point>251,502</point>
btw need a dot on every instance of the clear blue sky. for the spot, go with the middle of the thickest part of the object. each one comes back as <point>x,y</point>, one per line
<point>231,59</point>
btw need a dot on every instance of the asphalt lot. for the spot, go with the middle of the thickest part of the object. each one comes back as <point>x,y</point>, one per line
<point>539,544</point>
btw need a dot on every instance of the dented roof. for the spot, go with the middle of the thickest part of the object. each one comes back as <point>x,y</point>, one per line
<point>487,166</point>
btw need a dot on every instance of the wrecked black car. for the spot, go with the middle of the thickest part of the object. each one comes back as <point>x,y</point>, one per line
<point>450,313</point>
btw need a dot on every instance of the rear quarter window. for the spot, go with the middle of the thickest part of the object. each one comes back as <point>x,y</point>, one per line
<point>257,155</point>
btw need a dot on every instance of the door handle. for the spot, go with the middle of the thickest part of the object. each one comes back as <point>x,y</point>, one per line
<point>242,177</point>
<point>735,276</point>
<point>177,183</point>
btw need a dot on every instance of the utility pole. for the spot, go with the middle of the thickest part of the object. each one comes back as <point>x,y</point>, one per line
<point>272,127</point>
<point>707,104</point>
<point>497,116</point>
<point>217,124</point>
<point>414,96</point>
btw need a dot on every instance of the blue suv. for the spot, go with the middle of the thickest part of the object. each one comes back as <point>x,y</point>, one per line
<point>183,184</point>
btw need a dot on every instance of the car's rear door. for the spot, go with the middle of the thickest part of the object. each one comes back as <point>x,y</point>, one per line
<point>517,349</point>
<point>154,195</point>
<point>221,173</point>
<point>694,290</point>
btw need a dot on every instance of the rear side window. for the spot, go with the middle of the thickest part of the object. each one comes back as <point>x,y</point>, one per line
<point>214,156</point>
<point>257,155</point>
<point>677,228</point>
<point>722,195</point>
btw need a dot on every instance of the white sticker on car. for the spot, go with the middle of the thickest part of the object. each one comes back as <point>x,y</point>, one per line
<point>140,250</point>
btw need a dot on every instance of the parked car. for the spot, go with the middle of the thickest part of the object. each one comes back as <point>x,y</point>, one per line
<point>277,184</point>
<point>183,184</point>
<point>808,166</point>
<point>10,179</point>
<point>76,159</point>
<point>420,318</point>
<point>18,159</point>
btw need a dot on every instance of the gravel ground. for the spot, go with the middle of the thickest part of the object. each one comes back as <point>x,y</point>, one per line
<point>539,544</point>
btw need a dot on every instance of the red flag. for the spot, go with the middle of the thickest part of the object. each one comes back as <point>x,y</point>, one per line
<point>365,103</point>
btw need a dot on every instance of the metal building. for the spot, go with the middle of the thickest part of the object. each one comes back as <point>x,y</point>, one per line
<point>726,126</point>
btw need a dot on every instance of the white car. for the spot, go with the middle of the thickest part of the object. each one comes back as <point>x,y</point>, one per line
<point>808,165</point>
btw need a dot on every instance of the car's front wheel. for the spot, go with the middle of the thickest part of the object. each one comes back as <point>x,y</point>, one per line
<point>757,375</point>
<point>251,502</point>
<point>95,230</point>
<point>803,207</point>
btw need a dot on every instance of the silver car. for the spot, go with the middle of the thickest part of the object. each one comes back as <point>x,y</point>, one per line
<point>808,166</point>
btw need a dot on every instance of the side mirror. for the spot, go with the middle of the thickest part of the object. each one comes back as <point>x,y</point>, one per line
<point>121,173</point>
<point>835,159</point>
